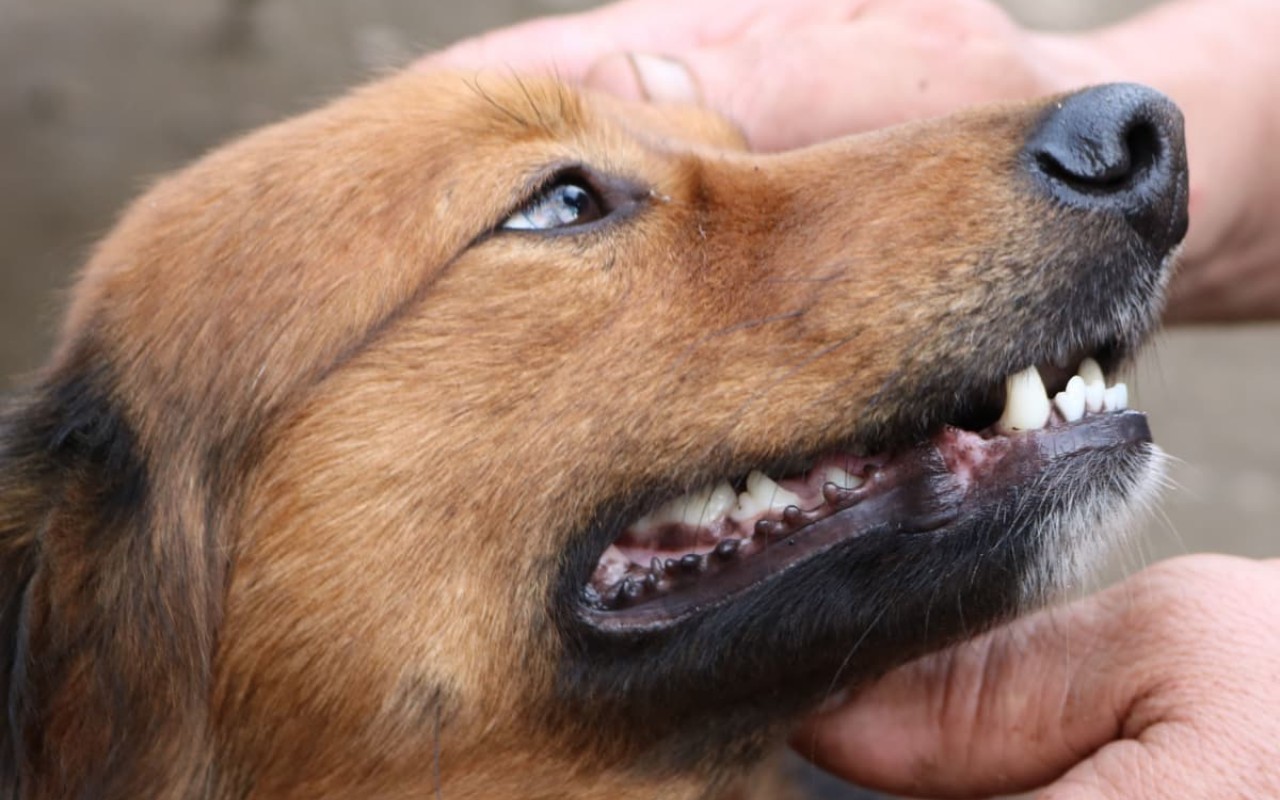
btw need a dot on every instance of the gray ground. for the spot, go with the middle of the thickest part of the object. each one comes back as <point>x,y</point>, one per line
<point>98,96</point>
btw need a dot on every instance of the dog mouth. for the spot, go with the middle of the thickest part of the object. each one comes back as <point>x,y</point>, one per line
<point>714,544</point>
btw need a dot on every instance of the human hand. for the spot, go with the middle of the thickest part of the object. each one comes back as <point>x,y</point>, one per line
<point>1165,686</point>
<point>792,73</point>
<point>795,72</point>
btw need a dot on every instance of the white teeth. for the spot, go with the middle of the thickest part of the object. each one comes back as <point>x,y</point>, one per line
<point>1091,372</point>
<point>1026,406</point>
<point>1116,398</point>
<point>1094,395</point>
<point>769,493</point>
<point>1075,386</point>
<point>720,501</point>
<point>1095,385</point>
<point>704,507</point>
<point>747,508</point>
<point>1070,403</point>
<point>1087,392</point>
<point>840,478</point>
<point>762,495</point>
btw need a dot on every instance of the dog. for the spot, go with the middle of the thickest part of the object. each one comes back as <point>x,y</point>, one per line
<point>476,437</point>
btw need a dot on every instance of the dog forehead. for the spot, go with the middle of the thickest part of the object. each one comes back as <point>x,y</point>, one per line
<point>487,107</point>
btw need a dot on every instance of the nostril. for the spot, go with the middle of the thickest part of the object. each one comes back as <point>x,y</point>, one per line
<point>1094,168</point>
<point>1116,150</point>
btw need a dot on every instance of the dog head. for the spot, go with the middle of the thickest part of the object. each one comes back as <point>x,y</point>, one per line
<point>489,436</point>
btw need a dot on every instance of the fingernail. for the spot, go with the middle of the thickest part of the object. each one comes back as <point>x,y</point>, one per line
<point>640,76</point>
<point>664,80</point>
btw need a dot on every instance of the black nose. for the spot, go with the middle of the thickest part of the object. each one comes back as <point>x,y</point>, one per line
<point>1117,149</point>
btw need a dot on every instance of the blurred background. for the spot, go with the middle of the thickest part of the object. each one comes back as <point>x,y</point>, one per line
<point>99,96</point>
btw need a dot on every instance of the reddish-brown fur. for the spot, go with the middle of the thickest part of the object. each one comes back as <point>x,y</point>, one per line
<point>368,427</point>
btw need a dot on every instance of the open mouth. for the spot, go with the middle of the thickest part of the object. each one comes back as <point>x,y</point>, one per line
<point>712,544</point>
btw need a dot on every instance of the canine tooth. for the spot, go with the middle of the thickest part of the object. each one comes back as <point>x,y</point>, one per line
<point>1070,403</point>
<point>1026,406</point>
<point>1116,398</point>
<point>841,478</point>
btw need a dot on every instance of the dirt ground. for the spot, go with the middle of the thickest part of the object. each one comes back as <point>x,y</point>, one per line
<point>99,96</point>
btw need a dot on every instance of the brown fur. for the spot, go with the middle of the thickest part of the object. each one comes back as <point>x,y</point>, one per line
<point>337,434</point>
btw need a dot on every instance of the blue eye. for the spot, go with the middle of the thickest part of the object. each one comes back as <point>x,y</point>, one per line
<point>563,204</point>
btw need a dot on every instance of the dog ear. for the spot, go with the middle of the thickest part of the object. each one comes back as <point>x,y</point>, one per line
<point>18,514</point>
<point>105,621</point>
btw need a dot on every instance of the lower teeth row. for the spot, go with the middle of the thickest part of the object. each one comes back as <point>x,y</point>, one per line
<point>630,582</point>
<point>777,511</point>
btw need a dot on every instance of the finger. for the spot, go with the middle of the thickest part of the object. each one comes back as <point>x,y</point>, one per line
<point>1130,768</point>
<point>1005,713</point>
<point>773,88</point>
<point>567,46</point>
<point>814,83</point>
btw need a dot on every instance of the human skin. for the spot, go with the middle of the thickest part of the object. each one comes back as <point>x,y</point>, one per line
<point>796,72</point>
<point>1165,685</point>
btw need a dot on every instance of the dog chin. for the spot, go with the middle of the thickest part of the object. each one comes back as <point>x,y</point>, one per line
<point>971,530</point>
<point>1094,523</point>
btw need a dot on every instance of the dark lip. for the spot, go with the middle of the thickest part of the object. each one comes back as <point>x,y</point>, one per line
<point>918,492</point>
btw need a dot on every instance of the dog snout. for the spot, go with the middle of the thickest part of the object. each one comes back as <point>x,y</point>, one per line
<point>1116,149</point>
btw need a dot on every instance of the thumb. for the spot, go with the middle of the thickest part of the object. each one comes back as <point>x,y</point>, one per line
<point>801,86</point>
<point>1007,712</point>
<point>775,106</point>
<point>639,76</point>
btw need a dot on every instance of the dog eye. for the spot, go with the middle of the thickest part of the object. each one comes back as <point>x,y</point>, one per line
<point>563,204</point>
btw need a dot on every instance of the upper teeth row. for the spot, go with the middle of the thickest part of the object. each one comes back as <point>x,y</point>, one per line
<point>1027,406</point>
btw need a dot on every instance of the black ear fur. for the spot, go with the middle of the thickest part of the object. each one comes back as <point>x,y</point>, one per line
<point>29,486</point>
<point>16,567</point>
<point>99,665</point>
